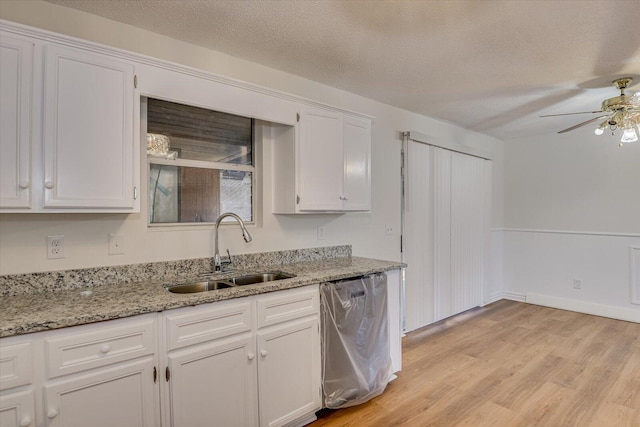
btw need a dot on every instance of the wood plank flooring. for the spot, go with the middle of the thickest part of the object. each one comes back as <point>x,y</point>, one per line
<point>510,364</point>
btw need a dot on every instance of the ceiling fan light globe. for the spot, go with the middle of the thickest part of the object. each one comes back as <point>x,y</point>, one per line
<point>599,131</point>
<point>629,135</point>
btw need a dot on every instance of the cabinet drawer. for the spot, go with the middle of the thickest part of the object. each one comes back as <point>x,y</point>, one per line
<point>100,345</point>
<point>288,305</point>
<point>15,365</point>
<point>196,325</point>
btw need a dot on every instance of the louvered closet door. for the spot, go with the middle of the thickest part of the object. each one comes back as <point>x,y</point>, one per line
<point>470,195</point>
<point>419,237</point>
<point>446,230</point>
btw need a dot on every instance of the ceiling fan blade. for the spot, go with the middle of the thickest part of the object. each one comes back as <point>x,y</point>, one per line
<point>582,124</point>
<point>570,114</point>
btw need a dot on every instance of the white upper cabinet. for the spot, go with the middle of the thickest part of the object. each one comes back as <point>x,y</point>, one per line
<point>16,57</point>
<point>88,130</point>
<point>319,171</point>
<point>69,121</point>
<point>322,166</point>
<point>357,164</point>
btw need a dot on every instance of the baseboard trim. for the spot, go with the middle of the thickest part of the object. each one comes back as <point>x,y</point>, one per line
<point>493,297</point>
<point>302,421</point>
<point>514,296</point>
<point>499,295</point>
<point>612,312</point>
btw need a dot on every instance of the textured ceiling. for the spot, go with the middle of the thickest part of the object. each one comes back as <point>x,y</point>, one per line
<point>489,66</point>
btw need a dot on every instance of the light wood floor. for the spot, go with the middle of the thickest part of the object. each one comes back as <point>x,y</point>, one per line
<point>510,364</point>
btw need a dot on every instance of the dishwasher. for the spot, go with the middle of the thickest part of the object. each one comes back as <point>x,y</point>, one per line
<point>355,340</point>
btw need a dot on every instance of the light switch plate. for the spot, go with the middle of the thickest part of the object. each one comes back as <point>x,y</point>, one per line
<point>116,244</point>
<point>321,232</point>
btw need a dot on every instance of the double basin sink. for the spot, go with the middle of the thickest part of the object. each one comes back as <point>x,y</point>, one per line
<point>212,285</point>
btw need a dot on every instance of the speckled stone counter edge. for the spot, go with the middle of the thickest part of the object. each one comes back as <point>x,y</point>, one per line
<point>42,311</point>
<point>31,283</point>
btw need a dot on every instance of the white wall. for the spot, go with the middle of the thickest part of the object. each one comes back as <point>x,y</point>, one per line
<point>572,210</point>
<point>22,237</point>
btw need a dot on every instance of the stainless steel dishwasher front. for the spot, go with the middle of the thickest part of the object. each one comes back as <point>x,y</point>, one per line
<point>355,340</point>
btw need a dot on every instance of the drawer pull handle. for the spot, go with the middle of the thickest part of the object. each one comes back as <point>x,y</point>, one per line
<point>52,413</point>
<point>48,185</point>
<point>251,356</point>
<point>263,353</point>
<point>105,349</point>
<point>24,185</point>
<point>25,422</point>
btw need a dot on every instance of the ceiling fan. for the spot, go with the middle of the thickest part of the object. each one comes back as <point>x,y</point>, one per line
<point>619,113</point>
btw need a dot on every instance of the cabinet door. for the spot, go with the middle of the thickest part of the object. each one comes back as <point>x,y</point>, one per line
<point>289,371</point>
<point>357,164</point>
<point>16,58</point>
<point>17,410</point>
<point>88,130</point>
<point>124,395</point>
<point>214,384</point>
<point>319,161</point>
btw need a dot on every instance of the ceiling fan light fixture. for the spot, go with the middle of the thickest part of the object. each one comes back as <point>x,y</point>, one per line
<point>620,112</point>
<point>629,135</point>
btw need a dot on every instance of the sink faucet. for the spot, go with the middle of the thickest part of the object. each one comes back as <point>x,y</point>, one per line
<point>245,234</point>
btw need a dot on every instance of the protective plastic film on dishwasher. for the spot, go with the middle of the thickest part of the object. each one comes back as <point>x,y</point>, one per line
<point>356,359</point>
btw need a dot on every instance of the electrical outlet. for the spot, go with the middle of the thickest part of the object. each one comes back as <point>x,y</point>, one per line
<point>321,232</point>
<point>55,247</point>
<point>388,229</point>
<point>577,284</point>
<point>116,244</point>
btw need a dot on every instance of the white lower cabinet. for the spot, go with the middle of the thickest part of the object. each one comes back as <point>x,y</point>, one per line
<point>17,404</point>
<point>17,409</point>
<point>102,375</point>
<point>250,362</point>
<point>92,375</point>
<point>247,362</point>
<point>122,395</point>
<point>214,384</point>
<point>289,371</point>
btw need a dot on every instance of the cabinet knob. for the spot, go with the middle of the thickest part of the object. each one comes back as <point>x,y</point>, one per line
<point>263,353</point>
<point>48,185</point>
<point>24,185</point>
<point>52,413</point>
<point>105,349</point>
<point>251,356</point>
<point>25,422</point>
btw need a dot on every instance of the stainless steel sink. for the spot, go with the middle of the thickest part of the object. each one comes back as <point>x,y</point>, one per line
<point>244,280</point>
<point>251,279</point>
<point>198,287</point>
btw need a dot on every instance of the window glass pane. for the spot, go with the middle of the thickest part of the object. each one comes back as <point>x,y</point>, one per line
<point>200,134</point>
<point>180,194</point>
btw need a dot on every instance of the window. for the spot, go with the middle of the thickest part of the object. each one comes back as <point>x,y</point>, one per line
<point>201,164</point>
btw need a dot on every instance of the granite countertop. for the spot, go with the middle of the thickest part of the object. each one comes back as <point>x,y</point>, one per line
<point>34,312</point>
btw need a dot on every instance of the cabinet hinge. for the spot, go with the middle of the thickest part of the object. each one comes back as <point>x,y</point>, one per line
<point>135,81</point>
<point>297,117</point>
<point>167,374</point>
<point>297,199</point>
<point>135,193</point>
<point>155,374</point>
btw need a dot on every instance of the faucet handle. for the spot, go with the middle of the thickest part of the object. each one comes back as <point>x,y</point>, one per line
<point>225,264</point>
